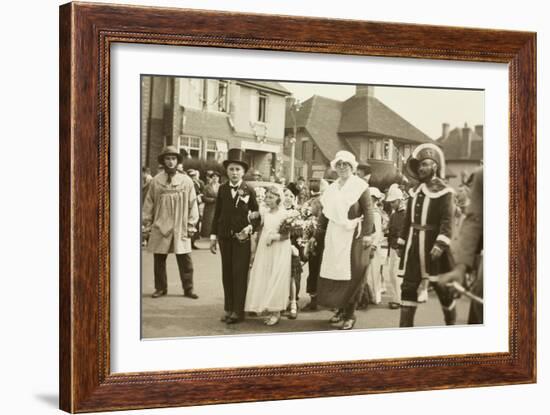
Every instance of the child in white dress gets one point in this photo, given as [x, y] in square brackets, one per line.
[269, 282]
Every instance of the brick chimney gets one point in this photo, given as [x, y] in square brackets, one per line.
[445, 130]
[466, 143]
[364, 90]
[479, 130]
[289, 102]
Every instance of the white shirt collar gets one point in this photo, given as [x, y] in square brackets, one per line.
[238, 184]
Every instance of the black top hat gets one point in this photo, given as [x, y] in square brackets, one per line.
[173, 151]
[236, 155]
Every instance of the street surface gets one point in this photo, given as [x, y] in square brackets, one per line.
[176, 316]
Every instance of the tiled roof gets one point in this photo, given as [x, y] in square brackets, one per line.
[453, 149]
[272, 86]
[320, 117]
[366, 114]
[205, 122]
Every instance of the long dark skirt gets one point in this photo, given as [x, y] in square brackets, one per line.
[339, 294]
[207, 218]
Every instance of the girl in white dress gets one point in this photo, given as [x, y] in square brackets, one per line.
[269, 282]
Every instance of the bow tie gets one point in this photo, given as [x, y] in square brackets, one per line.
[234, 187]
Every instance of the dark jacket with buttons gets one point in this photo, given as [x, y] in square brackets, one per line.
[428, 222]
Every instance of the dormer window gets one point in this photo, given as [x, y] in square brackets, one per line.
[380, 149]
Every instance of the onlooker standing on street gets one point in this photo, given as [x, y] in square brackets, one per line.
[199, 188]
[209, 199]
[146, 179]
[315, 246]
[170, 214]
[256, 176]
[364, 171]
[395, 227]
[373, 280]
[303, 192]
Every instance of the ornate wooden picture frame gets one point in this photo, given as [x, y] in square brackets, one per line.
[87, 32]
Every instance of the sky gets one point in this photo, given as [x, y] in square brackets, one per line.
[425, 108]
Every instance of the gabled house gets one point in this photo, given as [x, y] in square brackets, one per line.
[463, 149]
[362, 124]
[206, 117]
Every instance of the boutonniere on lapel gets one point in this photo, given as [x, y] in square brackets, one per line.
[243, 195]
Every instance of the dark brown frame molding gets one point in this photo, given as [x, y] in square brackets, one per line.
[86, 34]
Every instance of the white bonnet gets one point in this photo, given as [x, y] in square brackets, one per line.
[394, 193]
[346, 157]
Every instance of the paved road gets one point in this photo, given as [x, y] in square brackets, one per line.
[177, 316]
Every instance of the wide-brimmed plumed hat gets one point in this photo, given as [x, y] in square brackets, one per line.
[170, 151]
[236, 155]
[424, 152]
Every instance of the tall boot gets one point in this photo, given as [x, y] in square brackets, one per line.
[407, 316]
[450, 315]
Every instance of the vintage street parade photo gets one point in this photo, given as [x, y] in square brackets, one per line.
[285, 206]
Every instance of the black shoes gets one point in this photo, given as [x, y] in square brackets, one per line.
[158, 293]
[190, 294]
[348, 324]
[311, 306]
[162, 293]
[233, 318]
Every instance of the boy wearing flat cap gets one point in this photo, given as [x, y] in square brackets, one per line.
[170, 215]
[426, 235]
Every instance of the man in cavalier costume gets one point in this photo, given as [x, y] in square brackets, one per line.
[426, 235]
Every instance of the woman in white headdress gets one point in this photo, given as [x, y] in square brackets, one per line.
[347, 224]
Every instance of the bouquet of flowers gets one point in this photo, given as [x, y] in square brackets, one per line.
[292, 225]
[301, 226]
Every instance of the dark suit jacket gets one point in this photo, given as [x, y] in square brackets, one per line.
[231, 217]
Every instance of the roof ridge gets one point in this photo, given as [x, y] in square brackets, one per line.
[327, 98]
[398, 115]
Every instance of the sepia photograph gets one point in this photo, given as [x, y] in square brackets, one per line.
[285, 206]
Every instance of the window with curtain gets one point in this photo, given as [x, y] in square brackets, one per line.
[216, 150]
[387, 145]
[191, 144]
[223, 92]
[262, 107]
[304, 150]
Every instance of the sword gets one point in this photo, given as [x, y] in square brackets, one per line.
[465, 292]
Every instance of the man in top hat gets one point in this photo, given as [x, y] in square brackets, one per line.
[170, 214]
[426, 235]
[231, 228]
